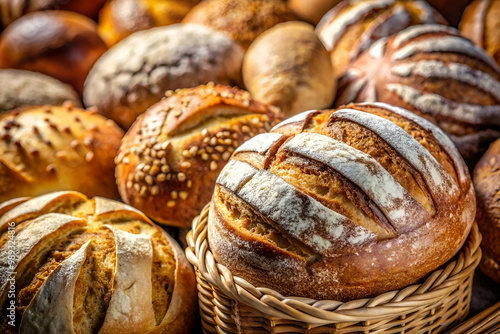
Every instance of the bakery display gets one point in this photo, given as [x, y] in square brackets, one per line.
[171, 156]
[49, 148]
[311, 10]
[91, 265]
[487, 184]
[342, 204]
[135, 73]
[481, 24]
[120, 18]
[243, 20]
[352, 26]
[66, 50]
[435, 72]
[24, 88]
[288, 66]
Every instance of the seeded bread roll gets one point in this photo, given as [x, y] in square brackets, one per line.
[438, 74]
[487, 185]
[49, 148]
[24, 88]
[481, 24]
[170, 157]
[243, 20]
[91, 265]
[311, 10]
[342, 204]
[288, 66]
[352, 26]
[136, 72]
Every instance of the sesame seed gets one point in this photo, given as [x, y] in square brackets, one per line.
[235, 136]
[129, 184]
[183, 194]
[156, 162]
[155, 190]
[220, 134]
[146, 168]
[161, 177]
[163, 161]
[177, 113]
[169, 176]
[148, 159]
[165, 145]
[209, 149]
[153, 153]
[246, 103]
[213, 141]
[154, 170]
[204, 156]
[181, 177]
[206, 140]
[245, 128]
[189, 183]
[205, 132]
[227, 141]
[215, 157]
[213, 165]
[161, 154]
[157, 147]
[226, 155]
[169, 93]
[165, 169]
[89, 156]
[186, 154]
[227, 133]
[149, 180]
[143, 191]
[185, 164]
[137, 187]
[140, 166]
[147, 152]
[126, 160]
[219, 148]
[88, 141]
[193, 150]
[173, 194]
[171, 203]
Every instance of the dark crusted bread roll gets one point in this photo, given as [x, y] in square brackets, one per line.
[342, 204]
[487, 185]
[438, 74]
[90, 265]
[171, 156]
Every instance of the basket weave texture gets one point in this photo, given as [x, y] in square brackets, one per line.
[229, 304]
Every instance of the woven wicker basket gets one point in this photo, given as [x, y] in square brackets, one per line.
[229, 304]
[486, 322]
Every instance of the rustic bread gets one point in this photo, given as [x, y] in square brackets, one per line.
[243, 20]
[438, 74]
[49, 148]
[120, 18]
[311, 10]
[352, 26]
[171, 156]
[487, 185]
[481, 24]
[91, 265]
[288, 66]
[135, 73]
[342, 204]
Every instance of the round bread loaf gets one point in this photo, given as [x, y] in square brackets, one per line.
[487, 185]
[352, 26]
[90, 265]
[451, 9]
[171, 156]
[288, 66]
[66, 50]
[438, 74]
[136, 72]
[342, 204]
[24, 88]
[120, 18]
[311, 10]
[481, 24]
[49, 148]
[243, 20]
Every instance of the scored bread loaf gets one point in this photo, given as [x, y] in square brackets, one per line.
[436, 73]
[91, 265]
[342, 204]
[171, 156]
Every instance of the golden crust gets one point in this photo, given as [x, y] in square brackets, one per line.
[311, 10]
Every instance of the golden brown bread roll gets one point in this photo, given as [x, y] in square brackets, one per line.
[135, 73]
[66, 50]
[487, 185]
[481, 24]
[342, 204]
[288, 66]
[49, 148]
[24, 88]
[438, 74]
[352, 26]
[311, 10]
[91, 265]
[120, 18]
[243, 20]
[171, 156]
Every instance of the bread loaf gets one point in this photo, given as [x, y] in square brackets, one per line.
[311, 10]
[91, 265]
[342, 204]
[136, 72]
[438, 74]
[352, 26]
[171, 156]
[49, 148]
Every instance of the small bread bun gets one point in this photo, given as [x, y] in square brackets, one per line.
[49, 148]
[288, 66]
[24, 88]
[342, 204]
[135, 73]
[481, 24]
[66, 50]
[92, 266]
[486, 182]
[171, 156]
[120, 18]
[311, 10]
[353, 25]
[243, 20]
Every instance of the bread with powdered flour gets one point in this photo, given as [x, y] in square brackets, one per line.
[91, 266]
[342, 204]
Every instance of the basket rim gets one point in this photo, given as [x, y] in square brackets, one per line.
[437, 285]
